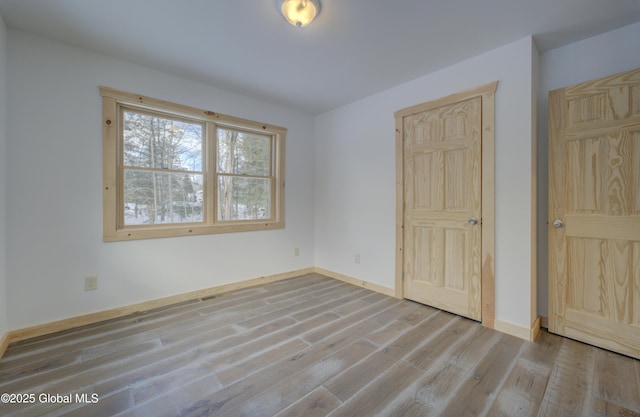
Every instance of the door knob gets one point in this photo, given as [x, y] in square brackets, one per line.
[557, 224]
[472, 221]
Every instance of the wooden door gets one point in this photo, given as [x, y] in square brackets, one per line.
[442, 195]
[594, 212]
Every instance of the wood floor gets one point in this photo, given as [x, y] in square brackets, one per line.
[313, 346]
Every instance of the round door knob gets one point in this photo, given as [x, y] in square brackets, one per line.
[472, 221]
[557, 223]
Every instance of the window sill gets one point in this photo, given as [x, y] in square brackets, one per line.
[159, 231]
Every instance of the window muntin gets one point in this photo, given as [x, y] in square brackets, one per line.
[173, 170]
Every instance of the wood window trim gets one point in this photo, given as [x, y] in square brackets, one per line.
[113, 183]
[487, 93]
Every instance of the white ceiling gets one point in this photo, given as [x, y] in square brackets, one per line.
[355, 47]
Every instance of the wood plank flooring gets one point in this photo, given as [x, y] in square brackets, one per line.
[312, 346]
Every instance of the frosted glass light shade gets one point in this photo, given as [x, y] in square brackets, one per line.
[300, 12]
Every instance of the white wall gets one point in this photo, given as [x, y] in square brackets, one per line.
[355, 175]
[3, 178]
[55, 199]
[596, 57]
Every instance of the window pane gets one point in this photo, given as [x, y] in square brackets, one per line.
[161, 198]
[243, 153]
[241, 198]
[157, 142]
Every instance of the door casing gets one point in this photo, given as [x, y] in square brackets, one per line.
[487, 93]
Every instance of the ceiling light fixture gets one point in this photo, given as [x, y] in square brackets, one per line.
[300, 12]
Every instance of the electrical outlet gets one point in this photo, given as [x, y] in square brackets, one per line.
[356, 258]
[91, 283]
[296, 251]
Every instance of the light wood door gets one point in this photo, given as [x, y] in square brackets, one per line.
[442, 190]
[594, 212]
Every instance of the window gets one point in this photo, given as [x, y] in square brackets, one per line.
[173, 170]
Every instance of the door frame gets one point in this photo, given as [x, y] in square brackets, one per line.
[487, 277]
